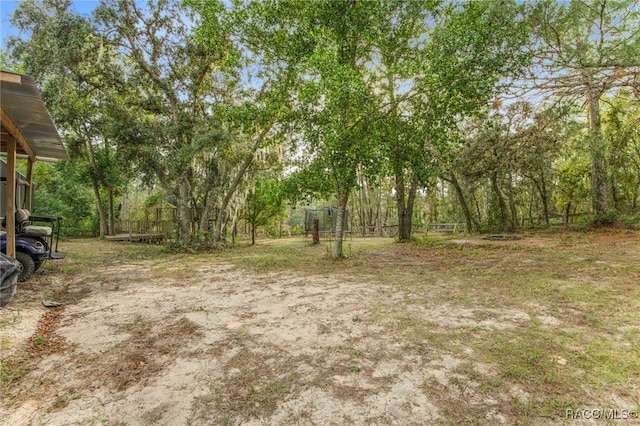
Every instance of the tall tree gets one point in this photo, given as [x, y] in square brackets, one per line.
[439, 64]
[400, 128]
[79, 73]
[588, 49]
[322, 50]
[182, 81]
[621, 128]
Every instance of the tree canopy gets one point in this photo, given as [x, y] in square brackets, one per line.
[492, 113]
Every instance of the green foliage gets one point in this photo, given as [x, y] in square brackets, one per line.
[607, 218]
[152, 201]
[61, 191]
[264, 204]
[373, 100]
[79, 72]
[585, 51]
[199, 242]
[620, 127]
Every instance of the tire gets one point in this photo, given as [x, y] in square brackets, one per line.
[39, 264]
[28, 266]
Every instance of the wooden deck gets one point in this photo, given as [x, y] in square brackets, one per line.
[138, 237]
[144, 231]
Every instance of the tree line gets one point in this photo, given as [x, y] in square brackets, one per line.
[495, 113]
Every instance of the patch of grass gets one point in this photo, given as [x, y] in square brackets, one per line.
[607, 362]
[253, 385]
[467, 369]
[11, 370]
[72, 268]
[264, 258]
[525, 355]
[353, 368]
[296, 254]
[16, 317]
[39, 340]
[562, 370]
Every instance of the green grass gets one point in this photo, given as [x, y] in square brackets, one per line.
[12, 369]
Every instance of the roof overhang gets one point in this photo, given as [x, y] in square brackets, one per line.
[26, 130]
[25, 117]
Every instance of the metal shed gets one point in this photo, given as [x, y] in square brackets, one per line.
[26, 131]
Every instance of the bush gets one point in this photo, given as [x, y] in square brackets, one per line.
[607, 218]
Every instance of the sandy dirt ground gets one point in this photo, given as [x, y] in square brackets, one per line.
[142, 344]
[171, 352]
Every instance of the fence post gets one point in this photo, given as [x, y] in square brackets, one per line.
[316, 231]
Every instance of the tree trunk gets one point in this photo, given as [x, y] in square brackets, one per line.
[634, 204]
[545, 200]
[400, 205]
[599, 186]
[101, 214]
[502, 206]
[205, 218]
[360, 206]
[343, 198]
[378, 221]
[404, 205]
[463, 202]
[359, 212]
[512, 205]
[413, 189]
[184, 217]
[384, 222]
[533, 194]
[477, 205]
[567, 212]
[234, 232]
[253, 234]
[369, 221]
[111, 225]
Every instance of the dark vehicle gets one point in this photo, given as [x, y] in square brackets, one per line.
[31, 254]
[9, 271]
[47, 235]
[35, 244]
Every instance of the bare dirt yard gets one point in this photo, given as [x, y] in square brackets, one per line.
[541, 330]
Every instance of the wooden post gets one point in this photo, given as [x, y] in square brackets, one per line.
[316, 231]
[11, 197]
[28, 204]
